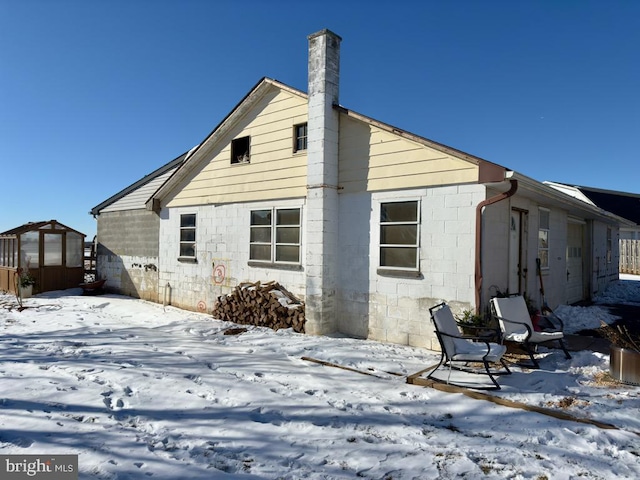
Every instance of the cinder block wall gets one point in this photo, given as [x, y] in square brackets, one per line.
[222, 250]
[396, 309]
[127, 253]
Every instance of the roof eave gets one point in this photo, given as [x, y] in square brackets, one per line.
[563, 198]
[237, 112]
[491, 177]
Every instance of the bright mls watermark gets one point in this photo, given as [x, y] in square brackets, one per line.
[52, 467]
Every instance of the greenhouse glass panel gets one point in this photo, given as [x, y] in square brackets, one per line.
[30, 249]
[75, 250]
[52, 249]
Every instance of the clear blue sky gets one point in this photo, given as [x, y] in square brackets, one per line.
[96, 94]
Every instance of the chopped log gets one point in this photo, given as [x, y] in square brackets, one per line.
[266, 304]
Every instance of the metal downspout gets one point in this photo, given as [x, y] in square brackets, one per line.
[479, 208]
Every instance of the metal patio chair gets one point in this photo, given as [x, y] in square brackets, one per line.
[516, 326]
[458, 351]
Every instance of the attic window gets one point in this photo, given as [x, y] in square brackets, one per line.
[300, 137]
[240, 150]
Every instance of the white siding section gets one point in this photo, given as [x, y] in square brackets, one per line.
[137, 198]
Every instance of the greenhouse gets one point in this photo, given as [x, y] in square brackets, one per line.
[46, 255]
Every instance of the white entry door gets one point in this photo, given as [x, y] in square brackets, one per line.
[575, 273]
[518, 251]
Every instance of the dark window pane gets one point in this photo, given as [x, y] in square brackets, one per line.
[399, 234]
[187, 250]
[260, 235]
[188, 220]
[261, 217]
[301, 137]
[287, 253]
[188, 235]
[288, 235]
[399, 212]
[240, 150]
[544, 219]
[398, 257]
[288, 216]
[260, 252]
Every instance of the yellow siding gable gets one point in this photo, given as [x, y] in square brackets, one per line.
[373, 159]
[274, 170]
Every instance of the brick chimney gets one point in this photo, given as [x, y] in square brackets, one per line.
[321, 222]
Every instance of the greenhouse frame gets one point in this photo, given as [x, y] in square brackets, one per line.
[48, 253]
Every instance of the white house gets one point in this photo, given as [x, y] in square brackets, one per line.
[368, 223]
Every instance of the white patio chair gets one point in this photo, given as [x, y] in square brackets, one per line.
[516, 326]
[464, 349]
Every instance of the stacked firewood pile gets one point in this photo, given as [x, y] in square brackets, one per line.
[263, 304]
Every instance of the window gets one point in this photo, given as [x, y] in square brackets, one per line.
[275, 235]
[399, 234]
[609, 245]
[300, 137]
[188, 235]
[5, 252]
[8, 253]
[543, 237]
[240, 150]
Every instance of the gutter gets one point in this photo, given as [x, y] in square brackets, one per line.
[479, 208]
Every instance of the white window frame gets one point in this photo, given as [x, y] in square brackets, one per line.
[416, 246]
[193, 242]
[273, 243]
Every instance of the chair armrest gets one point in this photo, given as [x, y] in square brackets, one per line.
[462, 337]
[470, 338]
[529, 329]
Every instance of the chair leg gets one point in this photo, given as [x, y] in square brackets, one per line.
[530, 351]
[449, 376]
[437, 366]
[564, 349]
[506, 367]
[486, 366]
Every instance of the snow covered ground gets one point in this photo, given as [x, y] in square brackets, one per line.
[140, 391]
